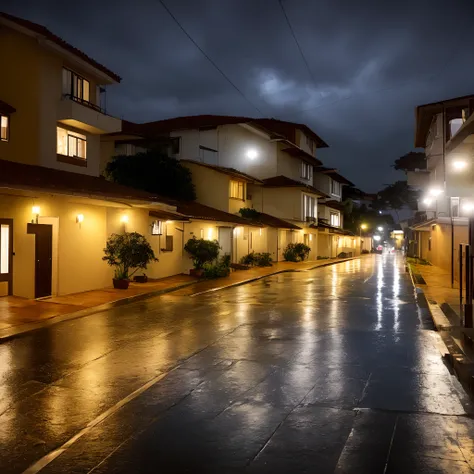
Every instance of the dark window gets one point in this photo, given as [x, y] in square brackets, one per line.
[168, 244]
[75, 86]
[429, 243]
[176, 146]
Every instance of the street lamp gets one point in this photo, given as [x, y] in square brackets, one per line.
[377, 238]
[362, 227]
[380, 228]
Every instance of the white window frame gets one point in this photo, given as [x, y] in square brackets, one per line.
[4, 128]
[335, 218]
[75, 86]
[335, 188]
[306, 170]
[75, 138]
[239, 186]
[309, 207]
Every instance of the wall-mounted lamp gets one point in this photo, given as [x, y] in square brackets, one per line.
[427, 201]
[260, 231]
[252, 153]
[468, 207]
[209, 234]
[459, 165]
[310, 237]
[36, 212]
[435, 192]
[80, 218]
[124, 219]
[377, 238]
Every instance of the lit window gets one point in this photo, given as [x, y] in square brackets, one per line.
[237, 189]
[334, 219]
[4, 248]
[335, 188]
[306, 170]
[71, 143]
[4, 128]
[309, 207]
[75, 86]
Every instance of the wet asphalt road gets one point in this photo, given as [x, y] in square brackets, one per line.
[334, 370]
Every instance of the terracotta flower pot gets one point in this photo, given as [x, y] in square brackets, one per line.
[121, 284]
[196, 272]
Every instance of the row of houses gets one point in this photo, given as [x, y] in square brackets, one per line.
[445, 179]
[57, 210]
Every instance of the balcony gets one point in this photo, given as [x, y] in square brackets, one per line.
[86, 116]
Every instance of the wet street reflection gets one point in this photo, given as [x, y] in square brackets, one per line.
[334, 370]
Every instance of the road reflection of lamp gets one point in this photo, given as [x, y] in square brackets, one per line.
[36, 212]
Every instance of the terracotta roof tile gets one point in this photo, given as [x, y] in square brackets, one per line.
[229, 171]
[276, 222]
[21, 176]
[332, 172]
[285, 182]
[43, 31]
[6, 108]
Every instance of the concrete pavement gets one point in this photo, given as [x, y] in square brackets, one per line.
[331, 371]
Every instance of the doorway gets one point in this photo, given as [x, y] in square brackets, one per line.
[43, 258]
[225, 240]
[6, 257]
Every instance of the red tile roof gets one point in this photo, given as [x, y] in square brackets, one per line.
[333, 204]
[276, 222]
[168, 215]
[229, 171]
[194, 210]
[332, 172]
[277, 128]
[6, 108]
[43, 31]
[285, 182]
[31, 177]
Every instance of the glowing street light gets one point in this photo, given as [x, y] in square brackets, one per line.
[362, 227]
[377, 238]
[435, 192]
[380, 228]
[252, 153]
[459, 165]
[427, 201]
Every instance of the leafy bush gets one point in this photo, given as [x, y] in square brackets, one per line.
[264, 259]
[249, 259]
[296, 252]
[365, 251]
[257, 259]
[126, 251]
[202, 251]
[218, 269]
[321, 258]
[343, 255]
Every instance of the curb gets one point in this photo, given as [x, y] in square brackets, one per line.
[250, 280]
[12, 333]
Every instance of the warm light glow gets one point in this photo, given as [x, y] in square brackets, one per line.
[459, 165]
[260, 231]
[468, 206]
[236, 231]
[363, 226]
[252, 154]
[436, 192]
[35, 210]
[310, 237]
[380, 228]
[377, 238]
[80, 218]
[4, 248]
[209, 234]
[427, 201]
[124, 219]
[169, 222]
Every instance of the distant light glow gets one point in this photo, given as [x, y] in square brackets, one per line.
[363, 226]
[436, 192]
[124, 219]
[210, 233]
[427, 201]
[380, 212]
[80, 218]
[468, 206]
[35, 210]
[459, 165]
[377, 238]
[380, 228]
[252, 153]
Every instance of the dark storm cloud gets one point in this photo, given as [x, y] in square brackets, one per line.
[372, 62]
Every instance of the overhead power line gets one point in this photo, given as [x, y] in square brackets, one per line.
[221, 72]
[303, 57]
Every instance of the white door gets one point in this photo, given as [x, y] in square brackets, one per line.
[225, 240]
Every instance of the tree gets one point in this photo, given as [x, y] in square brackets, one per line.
[397, 196]
[411, 161]
[153, 172]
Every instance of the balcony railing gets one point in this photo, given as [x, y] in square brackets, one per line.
[86, 103]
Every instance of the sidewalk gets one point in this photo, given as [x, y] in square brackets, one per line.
[19, 315]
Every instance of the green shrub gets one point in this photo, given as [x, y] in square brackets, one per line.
[248, 259]
[220, 268]
[249, 213]
[202, 251]
[126, 251]
[296, 252]
[343, 255]
[257, 259]
[364, 252]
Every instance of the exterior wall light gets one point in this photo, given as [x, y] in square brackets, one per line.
[210, 233]
[124, 220]
[436, 192]
[468, 206]
[36, 212]
[252, 154]
[459, 165]
[380, 228]
[427, 201]
[80, 219]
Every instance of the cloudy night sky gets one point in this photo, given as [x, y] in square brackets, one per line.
[370, 63]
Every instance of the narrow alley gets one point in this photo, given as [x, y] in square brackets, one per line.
[334, 370]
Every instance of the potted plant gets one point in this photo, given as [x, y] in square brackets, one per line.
[125, 252]
[201, 251]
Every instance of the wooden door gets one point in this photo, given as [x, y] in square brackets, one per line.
[43, 258]
[6, 253]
